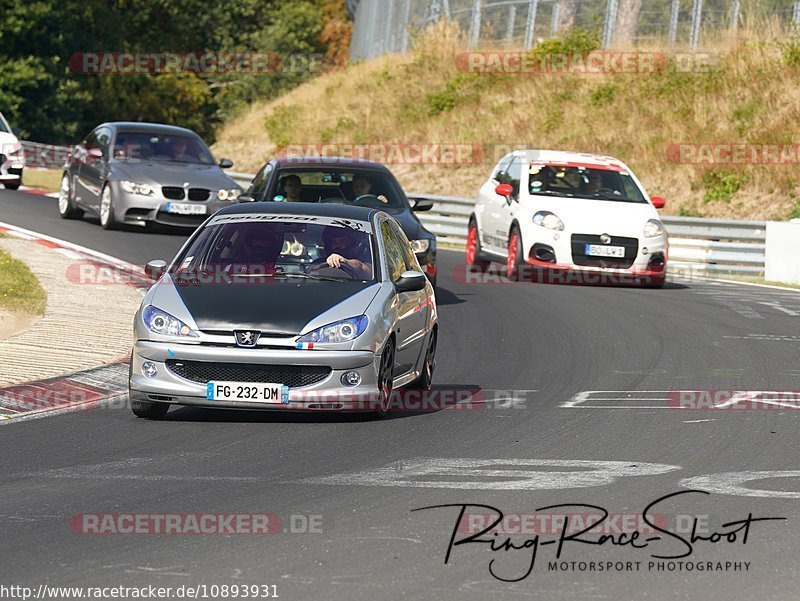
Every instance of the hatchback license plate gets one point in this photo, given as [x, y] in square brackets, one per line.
[256, 392]
[595, 250]
[183, 208]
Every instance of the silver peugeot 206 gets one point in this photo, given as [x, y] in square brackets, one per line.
[285, 306]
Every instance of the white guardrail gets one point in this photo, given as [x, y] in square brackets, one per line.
[697, 246]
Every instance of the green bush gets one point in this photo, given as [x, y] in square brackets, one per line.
[602, 95]
[721, 185]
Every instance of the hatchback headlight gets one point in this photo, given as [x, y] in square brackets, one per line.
[163, 323]
[653, 228]
[232, 194]
[548, 220]
[134, 188]
[339, 331]
[420, 246]
[16, 152]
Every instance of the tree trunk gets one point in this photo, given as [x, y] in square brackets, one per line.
[567, 11]
[627, 21]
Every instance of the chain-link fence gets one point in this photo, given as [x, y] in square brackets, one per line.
[386, 26]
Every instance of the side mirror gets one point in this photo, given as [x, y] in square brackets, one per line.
[225, 163]
[94, 154]
[658, 202]
[422, 204]
[245, 198]
[155, 269]
[410, 281]
[504, 190]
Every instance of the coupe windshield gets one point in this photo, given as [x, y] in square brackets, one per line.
[149, 146]
[372, 189]
[277, 250]
[583, 182]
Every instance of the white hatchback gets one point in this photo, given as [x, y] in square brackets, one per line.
[12, 157]
[565, 217]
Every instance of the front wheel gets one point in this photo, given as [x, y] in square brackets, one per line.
[66, 205]
[514, 260]
[386, 380]
[474, 248]
[107, 219]
[149, 410]
[12, 186]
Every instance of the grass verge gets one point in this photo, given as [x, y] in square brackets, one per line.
[42, 179]
[19, 288]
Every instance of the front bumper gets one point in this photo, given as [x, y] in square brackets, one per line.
[135, 209]
[328, 394]
[11, 169]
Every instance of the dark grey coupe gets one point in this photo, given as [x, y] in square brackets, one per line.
[137, 173]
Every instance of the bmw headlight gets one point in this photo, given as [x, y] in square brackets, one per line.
[653, 228]
[134, 188]
[420, 246]
[339, 331]
[548, 220]
[163, 323]
[232, 194]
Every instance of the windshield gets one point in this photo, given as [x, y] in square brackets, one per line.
[364, 188]
[243, 250]
[149, 146]
[3, 125]
[583, 182]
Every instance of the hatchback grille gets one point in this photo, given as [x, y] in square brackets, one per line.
[579, 256]
[293, 376]
[199, 194]
[172, 192]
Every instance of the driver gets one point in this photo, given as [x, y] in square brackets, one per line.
[594, 183]
[362, 186]
[350, 248]
[292, 187]
[178, 146]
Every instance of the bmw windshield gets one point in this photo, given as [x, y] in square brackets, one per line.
[169, 147]
[241, 250]
[583, 182]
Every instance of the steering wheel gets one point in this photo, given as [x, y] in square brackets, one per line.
[606, 191]
[318, 264]
[365, 197]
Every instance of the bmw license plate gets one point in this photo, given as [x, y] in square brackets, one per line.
[256, 392]
[596, 250]
[184, 208]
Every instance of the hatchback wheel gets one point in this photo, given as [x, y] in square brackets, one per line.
[425, 380]
[514, 260]
[474, 248]
[149, 410]
[386, 380]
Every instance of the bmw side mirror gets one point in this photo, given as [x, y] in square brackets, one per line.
[225, 163]
[155, 269]
[410, 281]
[658, 202]
[422, 204]
[95, 154]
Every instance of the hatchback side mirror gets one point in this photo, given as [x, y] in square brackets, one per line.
[225, 163]
[155, 269]
[410, 281]
[504, 190]
[658, 202]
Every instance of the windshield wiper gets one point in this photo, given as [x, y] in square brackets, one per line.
[319, 278]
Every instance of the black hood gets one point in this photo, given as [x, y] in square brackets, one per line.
[278, 307]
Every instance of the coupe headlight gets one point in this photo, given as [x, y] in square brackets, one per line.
[653, 228]
[134, 188]
[232, 194]
[548, 220]
[420, 246]
[340, 331]
[163, 323]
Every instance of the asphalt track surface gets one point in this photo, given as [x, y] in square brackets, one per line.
[543, 345]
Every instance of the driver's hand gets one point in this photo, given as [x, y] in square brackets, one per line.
[336, 260]
[383, 199]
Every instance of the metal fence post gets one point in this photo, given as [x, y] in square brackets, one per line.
[406, 24]
[697, 16]
[530, 26]
[609, 23]
[512, 18]
[446, 8]
[388, 37]
[673, 21]
[796, 16]
[735, 15]
[475, 24]
[554, 19]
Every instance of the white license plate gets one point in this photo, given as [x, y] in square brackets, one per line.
[596, 250]
[256, 392]
[184, 208]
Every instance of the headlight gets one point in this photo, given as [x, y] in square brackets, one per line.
[17, 151]
[340, 331]
[548, 220]
[653, 228]
[228, 194]
[163, 323]
[134, 188]
[420, 246]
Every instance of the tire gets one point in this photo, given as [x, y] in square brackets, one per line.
[14, 186]
[514, 260]
[474, 248]
[385, 380]
[425, 380]
[149, 410]
[107, 219]
[66, 206]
